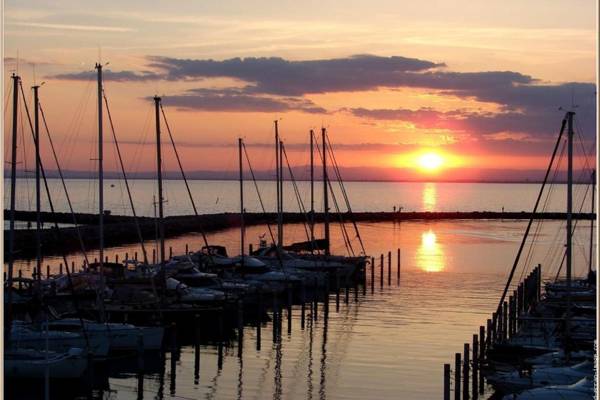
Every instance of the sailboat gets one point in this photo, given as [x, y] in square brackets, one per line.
[24, 355]
[558, 334]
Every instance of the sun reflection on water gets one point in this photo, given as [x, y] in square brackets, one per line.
[430, 255]
[429, 197]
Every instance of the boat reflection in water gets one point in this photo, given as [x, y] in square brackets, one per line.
[430, 254]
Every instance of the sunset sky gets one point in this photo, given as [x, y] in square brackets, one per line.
[407, 90]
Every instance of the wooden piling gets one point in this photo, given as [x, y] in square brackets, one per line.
[170, 251]
[326, 297]
[337, 291]
[72, 266]
[474, 375]
[126, 256]
[187, 251]
[135, 257]
[372, 275]
[258, 324]
[60, 269]
[381, 271]
[303, 306]
[47, 271]
[289, 310]
[446, 381]
[389, 268]
[539, 283]
[457, 380]
[347, 291]
[116, 258]
[20, 280]
[250, 248]
[316, 298]
[465, 374]
[505, 321]
[153, 256]
[481, 354]
[196, 348]
[398, 258]
[140, 350]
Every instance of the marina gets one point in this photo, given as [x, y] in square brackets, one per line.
[246, 201]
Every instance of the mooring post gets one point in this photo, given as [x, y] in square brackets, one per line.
[347, 291]
[337, 291]
[250, 248]
[274, 322]
[196, 348]
[539, 282]
[457, 369]
[106, 259]
[364, 292]
[289, 309]
[494, 328]
[398, 264]
[446, 381]
[474, 375]
[258, 323]
[47, 271]
[381, 271]
[135, 256]
[505, 322]
[187, 249]
[372, 275]
[126, 256]
[303, 306]
[153, 256]
[389, 268]
[481, 356]
[240, 326]
[466, 367]
[73, 266]
[20, 280]
[326, 297]
[116, 258]
[140, 350]
[220, 345]
[316, 299]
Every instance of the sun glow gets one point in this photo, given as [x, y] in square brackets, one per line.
[430, 255]
[430, 162]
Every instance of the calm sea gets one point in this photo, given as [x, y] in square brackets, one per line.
[392, 342]
[223, 196]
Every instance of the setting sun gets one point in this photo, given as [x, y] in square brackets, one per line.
[430, 162]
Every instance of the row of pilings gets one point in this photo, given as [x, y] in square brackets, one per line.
[465, 377]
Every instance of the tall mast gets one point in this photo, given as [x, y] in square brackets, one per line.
[242, 227]
[161, 226]
[13, 187]
[100, 170]
[592, 223]
[277, 178]
[570, 115]
[325, 191]
[280, 193]
[36, 137]
[312, 190]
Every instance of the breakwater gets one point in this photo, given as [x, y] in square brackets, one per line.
[121, 230]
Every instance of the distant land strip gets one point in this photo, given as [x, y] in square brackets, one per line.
[120, 229]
